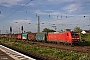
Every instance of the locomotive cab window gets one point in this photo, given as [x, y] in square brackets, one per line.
[73, 34]
[76, 34]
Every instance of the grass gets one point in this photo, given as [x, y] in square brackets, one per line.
[46, 51]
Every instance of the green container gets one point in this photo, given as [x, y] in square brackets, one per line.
[41, 36]
[24, 36]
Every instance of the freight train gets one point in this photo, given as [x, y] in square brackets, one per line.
[69, 37]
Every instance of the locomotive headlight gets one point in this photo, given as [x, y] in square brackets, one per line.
[78, 38]
[73, 38]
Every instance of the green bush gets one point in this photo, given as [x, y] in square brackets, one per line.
[85, 57]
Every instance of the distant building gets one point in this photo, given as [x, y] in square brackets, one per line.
[85, 31]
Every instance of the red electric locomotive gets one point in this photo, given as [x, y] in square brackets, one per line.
[66, 37]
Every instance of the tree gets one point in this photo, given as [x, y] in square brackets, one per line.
[28, 32]
[61, 30]
[48, 30]
[77, 29]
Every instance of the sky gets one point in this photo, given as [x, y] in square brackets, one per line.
[54, 14]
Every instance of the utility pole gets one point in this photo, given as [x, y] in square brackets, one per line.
[10, 36]
[22, 28]
[10, 30]
[38, 23]
[0, 31]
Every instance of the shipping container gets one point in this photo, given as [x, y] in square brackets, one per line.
[40, 36]
[31, 36]
[14, 36]
[5, 35]
[24, 36]
[19, 36]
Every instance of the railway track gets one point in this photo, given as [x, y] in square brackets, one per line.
[79, 49]
[14, 54]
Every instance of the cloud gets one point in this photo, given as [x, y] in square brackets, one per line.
[71, 7]
[30, 4]
[9, 3]
[47, 12]
[60, 0]
[25, 23]
[1, 15]
[38, 12]
[53, 14]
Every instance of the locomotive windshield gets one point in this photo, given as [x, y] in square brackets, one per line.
[75, 34]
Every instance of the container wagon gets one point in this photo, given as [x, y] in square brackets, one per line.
[40, 36]
[19, 36]
[31, 36]
[24, 36]
[14, 36]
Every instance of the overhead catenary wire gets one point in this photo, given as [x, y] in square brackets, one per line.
[8, 7]
[70, 22]
[17, 10]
